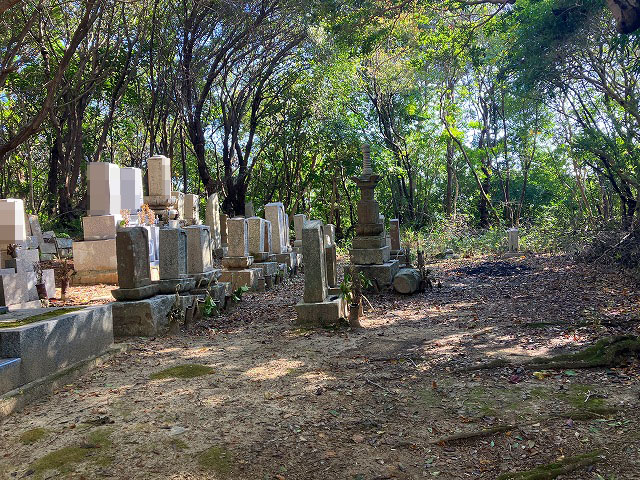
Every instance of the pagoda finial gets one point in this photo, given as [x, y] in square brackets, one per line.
[366, 160]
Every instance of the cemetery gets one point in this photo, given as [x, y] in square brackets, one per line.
[319, 240]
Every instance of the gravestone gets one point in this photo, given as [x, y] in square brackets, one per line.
[275, 213]
[332, 265]
[131, 195]
[512, 235]
[199, 260]
[212, 220]
[317, 307]
[370, 253]
[249, 210]
[224, 231]
[329, 232]
[256, 236]
[12, 222]
[100, 227]
[192, 208]
[179, 204]
[238, 263]
[36, 230]
[160, 199]
[394, 233]
[298, 221]
[173, 261]
[134, 273]
[103, 184]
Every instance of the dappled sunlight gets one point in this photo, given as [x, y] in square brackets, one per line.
[273, 369]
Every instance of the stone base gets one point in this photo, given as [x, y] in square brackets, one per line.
[140, 293]
[95, 255]
[30, 305]
[180, 285]
[290, 259]
[324, 313]
[260, 257]
[147, 317]
[380, 275]
[370, 256]
[237, 262]
[41, 348]
[366, 243]
[95, 277]
[206, 278]
[240, 278]
[268, 268]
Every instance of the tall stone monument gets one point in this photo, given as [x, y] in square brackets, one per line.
[173, 261]
[212, 220]
[238, 264]
[317, 307]
[280, 247]
[131, 195]
[192, 209]
[134, 273]
[160, 198]
[259, 231]
[298, 222]
[370, 253]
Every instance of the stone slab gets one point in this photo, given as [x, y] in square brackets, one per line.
[147, 317]
[100, 227]
[52, 345]
[324, 313]
[377, 241]
[212, 220]
[199, 258]
[240, 278]
[13, 227]
[237, 262]
[132, 246]
[268, 268]
[167, 286]
[315, 278]
[370, 256]
[49, 280]
[95, 255]
[95, 277]
[172, 253]
[136, 293]
[238, 237]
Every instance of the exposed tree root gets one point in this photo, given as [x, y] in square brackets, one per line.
[553, 470]
[473, 434]
[606, 352]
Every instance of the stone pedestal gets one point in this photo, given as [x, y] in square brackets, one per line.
[95, 262]
[237, 264]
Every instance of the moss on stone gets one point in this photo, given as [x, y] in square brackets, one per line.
[606, 352]
[183, 371]
[216, 459]
[555, 469]
[32, 436]
[61, 460]
[40, 317]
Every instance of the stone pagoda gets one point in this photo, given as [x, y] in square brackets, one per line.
[370, 253]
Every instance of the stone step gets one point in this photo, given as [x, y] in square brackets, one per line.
[9, 374]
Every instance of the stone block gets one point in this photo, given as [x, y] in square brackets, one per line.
[132, 246]
[315, 278]
[212, 220]
[95, 277]
[249, 210]
[49, 279]
[7, 271]
[256, 236]
[158, 202]
[268, 268]
[380, 275]
[370, 256]
[173, 253]
[298, 222]
[49, 346]
[18, 265]
[375, 241]
[238, 240]
[179, 203]
[103, 184]
[147, 317]
[327, 312]
[36, 230]
[131, 195]
[48, 246]
[237, 262]
[199, 259]
[407, 280]
[136, 293]
[101, 227]
[17, 289]
[173, 285]
[240, 278]
[159, 176]
[192, 208]
[96, 255]
[289, 259]
[512, 237]
[12, 221]
[267, 236]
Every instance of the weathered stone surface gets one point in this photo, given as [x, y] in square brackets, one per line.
[329, 232]
[323, 313]
[255, 232]
[289, 259]
[512, 236]
[137, 293]
[239, 278]
[49, 280]
[199, 257]
[212, 219]
[49, 346]
[274, 212]
[364, 242]
[12, 221]
[192, 208]
[100, 227]
[298, 222]
[130, 189]
[36, 230]
[132, 246]
[18, 289]
[238, 237]
[147, 317]
[237, 262]
[49, 243]
[173, 253]
[315, 286]
[180, 285]
[332, 265]
[380, 275]
[95, 277]
[394, 232]
[268, 268]
[407, 280]
[103, 184]
[249, 210]
[160, 201]
[97, 255]
[370, 256]
[267, 236]
[224, 231]
[159, 176]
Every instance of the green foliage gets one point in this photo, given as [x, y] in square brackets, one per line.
[239, 292]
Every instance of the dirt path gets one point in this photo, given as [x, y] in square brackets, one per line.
[286, 403]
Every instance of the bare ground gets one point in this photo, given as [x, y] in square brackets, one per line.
[288, 403]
